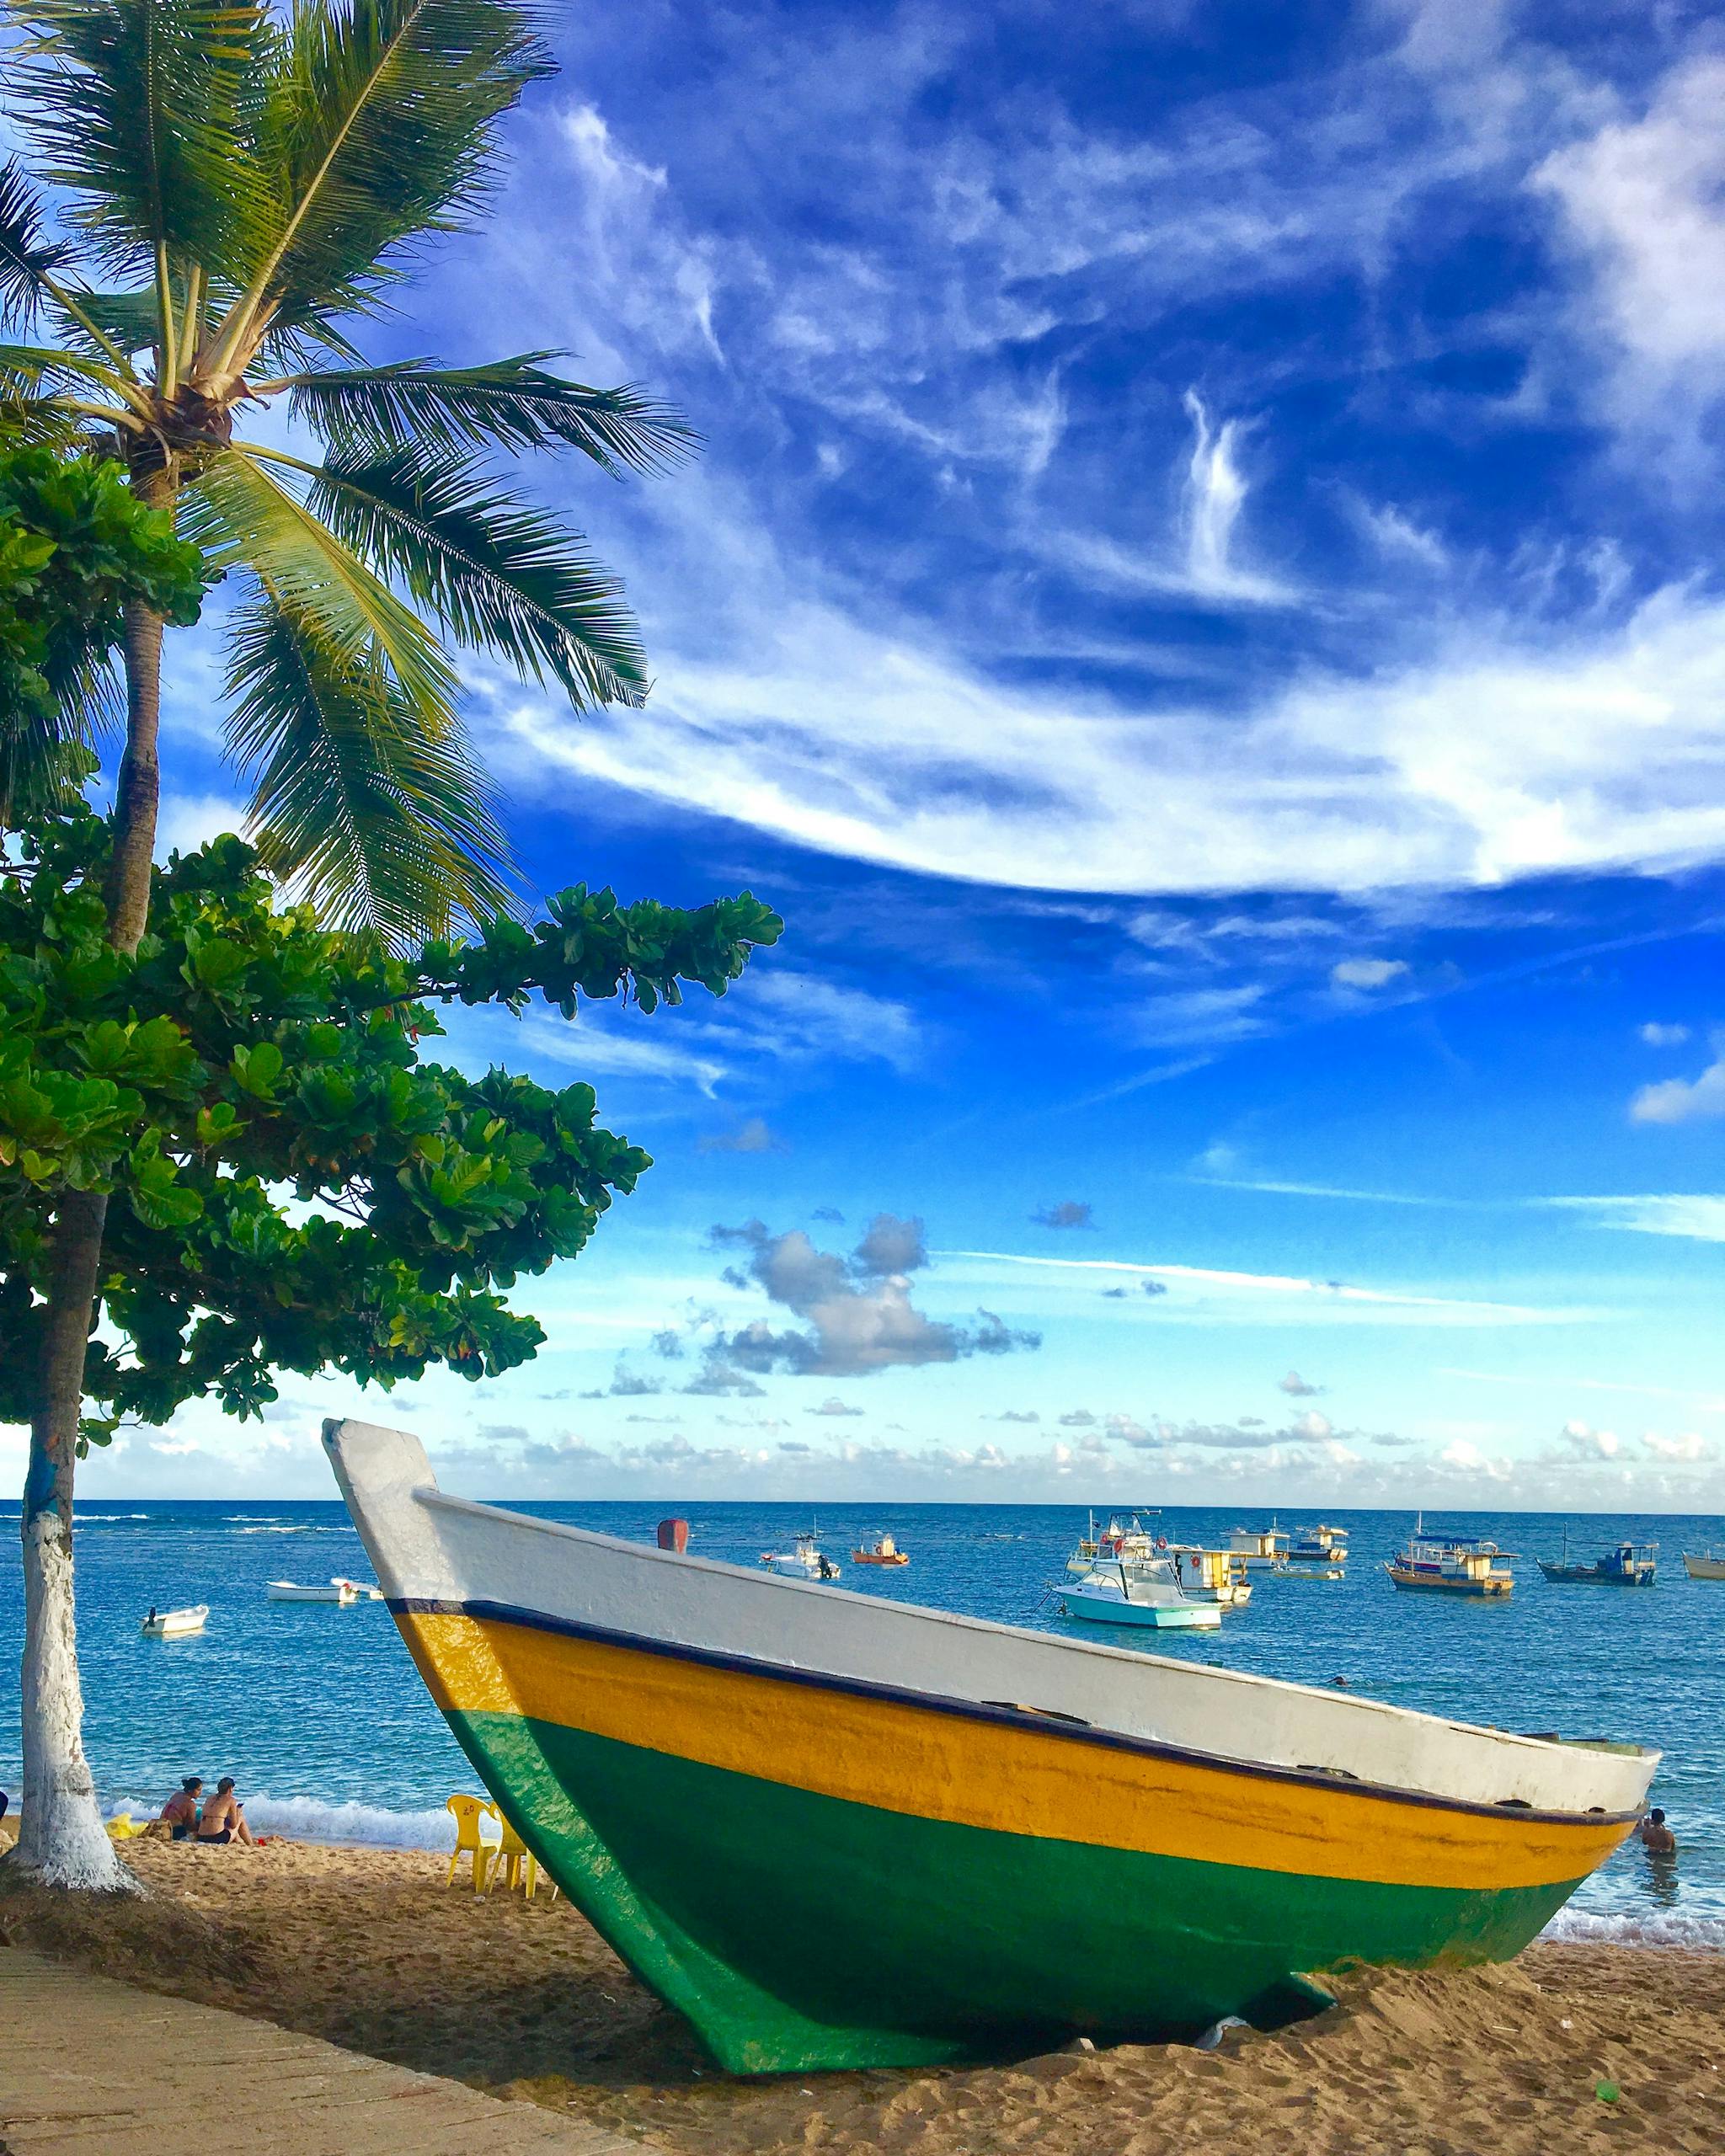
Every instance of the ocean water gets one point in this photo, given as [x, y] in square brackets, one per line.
[320, 1715]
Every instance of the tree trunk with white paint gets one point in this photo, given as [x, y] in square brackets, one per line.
[62, 1840]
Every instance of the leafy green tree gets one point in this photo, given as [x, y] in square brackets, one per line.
[289, 1184]
[76, 547]
[244, 186]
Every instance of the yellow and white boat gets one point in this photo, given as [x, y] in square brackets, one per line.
[836, 1830]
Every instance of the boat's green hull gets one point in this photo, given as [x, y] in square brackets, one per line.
[798, 1931]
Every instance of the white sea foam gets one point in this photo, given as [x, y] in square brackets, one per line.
[312, 1819]
[1627, 1927]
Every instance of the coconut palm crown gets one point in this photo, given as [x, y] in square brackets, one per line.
[228, 193]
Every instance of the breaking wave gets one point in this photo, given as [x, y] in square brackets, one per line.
[1656, 1928]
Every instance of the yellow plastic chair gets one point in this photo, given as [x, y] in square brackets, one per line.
[516, 1865]
[469, 1812]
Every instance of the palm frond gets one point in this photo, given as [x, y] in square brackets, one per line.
[501, 574]
[239, 512]
[379, 127]
[46, 370]
[510, 403]
[383, 827]
[28, 257]
[27, 421]
[140, 107]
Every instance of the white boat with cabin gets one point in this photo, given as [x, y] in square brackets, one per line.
[805, 1559]
[1705, 1564]
[1148, 1594]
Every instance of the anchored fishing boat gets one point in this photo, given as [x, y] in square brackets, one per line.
[1142, 1593]
[175, 1624]
[880, 1550]
[1631, 1564]
[1211, 1575]
[836, 1831]
[1705, 1564]
[1317, 1553]
[1261, 1546]
[1441, 1565]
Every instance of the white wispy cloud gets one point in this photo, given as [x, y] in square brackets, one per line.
[1326, 1296]
[1698, 1215]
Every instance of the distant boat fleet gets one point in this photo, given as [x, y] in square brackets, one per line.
[1124, 1574]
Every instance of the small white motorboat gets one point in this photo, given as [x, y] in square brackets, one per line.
[1705, 1564]
[175, 1624]
[804, 1559]
[342, 1591]
[1145, 1594]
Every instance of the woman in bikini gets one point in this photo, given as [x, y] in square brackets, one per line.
[222, 1819]
[181, 1810]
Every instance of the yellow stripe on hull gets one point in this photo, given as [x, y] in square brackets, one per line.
[899, 1757]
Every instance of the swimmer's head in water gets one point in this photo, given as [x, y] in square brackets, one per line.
[1657, 1817]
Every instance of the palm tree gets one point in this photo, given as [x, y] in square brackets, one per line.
[239, 187]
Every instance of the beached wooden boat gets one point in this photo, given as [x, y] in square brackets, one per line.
[175, 1624]
[837, 1831]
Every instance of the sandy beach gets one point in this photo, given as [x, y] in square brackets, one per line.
[365, 1947]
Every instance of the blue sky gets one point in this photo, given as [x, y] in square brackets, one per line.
[1201, 607]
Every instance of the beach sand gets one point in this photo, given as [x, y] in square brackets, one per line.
[366, 1947]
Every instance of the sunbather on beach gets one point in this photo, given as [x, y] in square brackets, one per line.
[181, 1810]
[222, 1818]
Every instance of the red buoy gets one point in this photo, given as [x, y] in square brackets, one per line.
[673, 1534]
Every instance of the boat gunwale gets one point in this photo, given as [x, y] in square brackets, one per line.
[430, 1495]
[481, 1609]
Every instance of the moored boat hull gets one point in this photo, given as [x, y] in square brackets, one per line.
[823, 1869]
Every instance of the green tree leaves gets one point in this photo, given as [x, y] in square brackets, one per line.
[291, 1187]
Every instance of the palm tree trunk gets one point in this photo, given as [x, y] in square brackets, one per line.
[61, 1838]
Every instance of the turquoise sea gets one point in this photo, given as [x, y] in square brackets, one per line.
[319, 1714]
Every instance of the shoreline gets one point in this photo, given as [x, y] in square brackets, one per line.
[364, 1946]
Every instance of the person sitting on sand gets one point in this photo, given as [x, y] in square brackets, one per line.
[222, 1819]
[1653, 1834]
[181, 1810]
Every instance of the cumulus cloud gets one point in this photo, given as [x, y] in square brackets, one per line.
[1297, 1387]
[1581, 1442]
[1689, 1447]
[751, 1136]
[1077, 1418]
[1068, 1214]
[1018, 1415]
[857, 1312]
[1126, 1429]
[1679, 1100]
[1367, 973]
[832, 1406]
[1657, 1035]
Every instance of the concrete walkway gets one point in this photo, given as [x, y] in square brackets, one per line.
[93, 2068]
